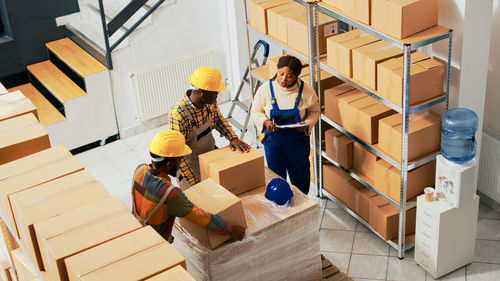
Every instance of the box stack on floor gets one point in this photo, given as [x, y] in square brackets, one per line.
[378, 67]
[281, 242]
[69, 227]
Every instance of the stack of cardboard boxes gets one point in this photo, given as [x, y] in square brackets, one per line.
[378, 66]
[69, 227]
[233, 186]
[286, 21]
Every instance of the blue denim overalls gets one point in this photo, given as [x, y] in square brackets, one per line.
[287, 149]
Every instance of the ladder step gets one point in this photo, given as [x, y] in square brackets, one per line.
[55, 81]
[241, 105]
[75, 57]
[47, 113]
[235, 123]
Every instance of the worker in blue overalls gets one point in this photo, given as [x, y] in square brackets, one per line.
[287, 100]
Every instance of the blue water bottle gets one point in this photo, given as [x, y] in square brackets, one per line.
[458, 142]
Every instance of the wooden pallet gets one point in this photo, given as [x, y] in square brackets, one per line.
[331, 273]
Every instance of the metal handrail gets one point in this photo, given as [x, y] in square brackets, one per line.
[119, 20]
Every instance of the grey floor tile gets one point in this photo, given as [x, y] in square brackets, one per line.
[369, 243]
[488, 229]
[367, 266]
[113, 148]
[404, 270]
[89, 157]
[340, 260]
[457, 275]
[361, 228]
[338, 219]
[483, 272]
[485, 212]
[336, 240]
[332, 205]
[100, 168]
[487, 251]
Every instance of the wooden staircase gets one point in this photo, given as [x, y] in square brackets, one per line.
[72, 94]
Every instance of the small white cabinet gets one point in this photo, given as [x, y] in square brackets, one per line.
[445, 236]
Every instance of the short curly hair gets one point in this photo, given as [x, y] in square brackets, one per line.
[292, 62]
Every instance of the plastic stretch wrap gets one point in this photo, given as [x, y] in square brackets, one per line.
[281, 242]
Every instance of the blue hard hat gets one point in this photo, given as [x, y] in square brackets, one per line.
[278, 191]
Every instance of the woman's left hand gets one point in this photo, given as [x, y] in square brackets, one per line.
[302, 129]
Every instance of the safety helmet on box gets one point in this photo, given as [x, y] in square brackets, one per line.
[208, 79]
[278, 191]
[169, 143]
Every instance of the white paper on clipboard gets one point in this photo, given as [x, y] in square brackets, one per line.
[296, 125]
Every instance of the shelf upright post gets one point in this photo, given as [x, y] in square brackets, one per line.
[404, 151]
[450, 33]
[311, 29]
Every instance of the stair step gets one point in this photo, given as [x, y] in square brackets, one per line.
[56, 82]
[75, 57]
[47, 113]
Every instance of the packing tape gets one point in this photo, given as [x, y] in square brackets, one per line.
[19, 128]
[10, 99]
[411, 64]
[132, 253]
[209, 198]
[43, 198]
[364, 34]
[380, 49]
[82, 226]
[59, 158]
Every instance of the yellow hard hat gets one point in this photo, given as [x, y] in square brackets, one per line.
[169, 143]
[208, 79]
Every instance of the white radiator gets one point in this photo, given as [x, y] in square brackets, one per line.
[157, 89]
[489, 167]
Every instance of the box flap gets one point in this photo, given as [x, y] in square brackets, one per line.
[22, 134]
[333, 132]
[430, 63]
[210, 196]
[177, 273]
[91, 234]
[339, 90]
[33, 161]
[26, 120]
[284, 8]
[338, 172]
[379, 50]
[224, 157]
[378, 201]
[418, 121]
[272, 3]
[352, 96]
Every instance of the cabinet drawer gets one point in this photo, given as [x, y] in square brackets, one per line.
[424, 260]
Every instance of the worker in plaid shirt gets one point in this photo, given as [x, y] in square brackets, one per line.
[195, 116]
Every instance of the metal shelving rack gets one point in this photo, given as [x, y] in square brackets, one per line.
[423, 38]
[408, 44]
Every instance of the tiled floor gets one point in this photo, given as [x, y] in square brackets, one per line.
[344, 241]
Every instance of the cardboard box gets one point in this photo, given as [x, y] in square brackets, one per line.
[360, 116]
[237, 172]
[276, 19]
[339, 147]
[358, 10]
[4, 272]
[266, 71]
[136, 255]
[402, 18]
[426, 79]
[384, 218]
[364, 161]
[298, 39]
[332, 110]
[366, 58]
[48, 200]
[33, 178]
[215, 199]
[339, 49]
[327, 81]
[388, 179]
[24, 269]
[362, 201]
[84, 215]
[176, 273]
[16, 104]
[338, 4]
[65, 244]
[33, 161]
[258, 12]
[424, 134]
[339, 184]
[21, 136]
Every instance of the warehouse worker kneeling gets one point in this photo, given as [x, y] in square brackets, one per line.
[156, 202]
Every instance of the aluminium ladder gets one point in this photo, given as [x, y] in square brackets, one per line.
[236, 101]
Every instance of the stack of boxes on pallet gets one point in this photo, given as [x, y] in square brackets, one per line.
[378, 66]
[69, 227]
[233, 186]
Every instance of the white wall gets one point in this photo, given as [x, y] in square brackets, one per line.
[492, 112]
[187, 27]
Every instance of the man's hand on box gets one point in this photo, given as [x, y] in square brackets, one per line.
[237, 144]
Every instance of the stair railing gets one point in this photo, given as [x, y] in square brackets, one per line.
[119, 20]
